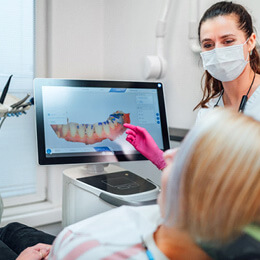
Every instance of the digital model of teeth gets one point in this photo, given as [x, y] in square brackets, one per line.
[93, 133]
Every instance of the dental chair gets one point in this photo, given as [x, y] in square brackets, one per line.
[245, 247]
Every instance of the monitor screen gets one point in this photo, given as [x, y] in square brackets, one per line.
[81, 121]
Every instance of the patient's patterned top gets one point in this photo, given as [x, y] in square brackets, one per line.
[115, 234]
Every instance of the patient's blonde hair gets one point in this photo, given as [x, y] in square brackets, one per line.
[219, 177]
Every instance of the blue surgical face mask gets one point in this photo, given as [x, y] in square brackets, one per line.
[225, 64]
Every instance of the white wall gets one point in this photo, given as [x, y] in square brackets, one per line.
[129, 34]
[100, 39]
[75, 38]
[133, 24]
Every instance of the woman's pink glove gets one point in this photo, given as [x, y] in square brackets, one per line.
[144, 143]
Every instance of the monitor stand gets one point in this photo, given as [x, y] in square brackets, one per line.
[96, 168]
[87, 170]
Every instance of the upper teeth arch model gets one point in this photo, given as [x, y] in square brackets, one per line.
[93, 133]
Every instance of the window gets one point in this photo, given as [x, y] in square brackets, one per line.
[21, 181]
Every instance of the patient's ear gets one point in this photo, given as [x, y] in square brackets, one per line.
[169, 155]
[252, 42]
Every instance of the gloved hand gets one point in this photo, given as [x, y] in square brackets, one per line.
[144, 143]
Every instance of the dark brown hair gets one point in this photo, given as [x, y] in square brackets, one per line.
[213, 87]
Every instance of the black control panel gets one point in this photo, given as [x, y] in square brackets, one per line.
[120, 183]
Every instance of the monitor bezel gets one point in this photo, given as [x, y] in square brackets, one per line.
[117, 157]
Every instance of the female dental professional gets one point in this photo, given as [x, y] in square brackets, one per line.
[230, 60]
[232, 66]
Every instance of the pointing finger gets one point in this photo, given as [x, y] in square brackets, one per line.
[133, 127]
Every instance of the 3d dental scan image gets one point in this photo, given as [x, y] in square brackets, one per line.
[93, 133]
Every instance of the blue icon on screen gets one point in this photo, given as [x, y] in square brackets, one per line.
[102, 149]
[48, 151]
[157, 114]
[158, 122]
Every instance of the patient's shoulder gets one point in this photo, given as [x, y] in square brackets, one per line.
[124, 215]
[120, 229]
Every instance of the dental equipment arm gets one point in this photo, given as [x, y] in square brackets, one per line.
[4, 93]
[144, 143]
[155, 65]
[11, 105]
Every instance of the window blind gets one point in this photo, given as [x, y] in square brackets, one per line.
[17, 135]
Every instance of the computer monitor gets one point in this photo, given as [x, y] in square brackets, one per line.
[81, 121]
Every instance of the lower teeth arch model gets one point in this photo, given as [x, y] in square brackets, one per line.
[93, 133]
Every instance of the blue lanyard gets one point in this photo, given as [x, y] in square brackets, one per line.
[147, 251]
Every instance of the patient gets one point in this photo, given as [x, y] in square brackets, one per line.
[208, 207]
[209, 199]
